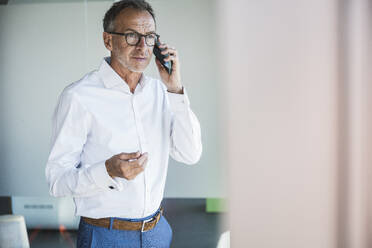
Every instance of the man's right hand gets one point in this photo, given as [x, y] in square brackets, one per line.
[126, 165]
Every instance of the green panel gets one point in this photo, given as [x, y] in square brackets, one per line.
[215, 205]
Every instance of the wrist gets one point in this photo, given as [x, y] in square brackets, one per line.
[177, 89]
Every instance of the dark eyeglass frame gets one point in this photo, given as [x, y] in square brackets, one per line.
[140, 37]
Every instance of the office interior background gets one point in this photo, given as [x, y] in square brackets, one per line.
[47, 45]
[282, 90]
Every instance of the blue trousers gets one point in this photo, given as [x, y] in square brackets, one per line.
[96, 237]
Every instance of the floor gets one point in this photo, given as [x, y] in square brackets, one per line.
[192, 227]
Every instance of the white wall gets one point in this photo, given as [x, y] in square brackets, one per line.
[46, 46]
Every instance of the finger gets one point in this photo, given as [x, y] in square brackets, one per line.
[169, 50]
[143, 158]
[126, 167]
[134, 172]
[162, 45]
[133, 164]
[138, 162]
[129, 163]
[160, 66]
[169, 58]
[127, 156]
[138, 170]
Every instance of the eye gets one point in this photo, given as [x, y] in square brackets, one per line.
[131, 35]
[151, 36]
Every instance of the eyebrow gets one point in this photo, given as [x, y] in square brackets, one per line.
[129, 29]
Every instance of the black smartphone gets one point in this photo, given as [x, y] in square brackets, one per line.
[157, 51]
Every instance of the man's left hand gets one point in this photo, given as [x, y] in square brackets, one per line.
[173, 80]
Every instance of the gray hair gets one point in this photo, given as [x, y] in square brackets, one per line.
[116, 8]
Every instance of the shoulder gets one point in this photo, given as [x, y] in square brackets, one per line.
[81, 87]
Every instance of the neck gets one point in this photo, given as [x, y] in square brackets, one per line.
[130, 77]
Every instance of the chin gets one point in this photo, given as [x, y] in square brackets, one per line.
[136, 69]
[133, 68]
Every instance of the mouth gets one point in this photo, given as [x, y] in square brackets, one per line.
[140, 58]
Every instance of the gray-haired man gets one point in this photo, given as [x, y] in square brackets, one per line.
[113, 132]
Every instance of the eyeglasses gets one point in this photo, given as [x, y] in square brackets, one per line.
[133, 38]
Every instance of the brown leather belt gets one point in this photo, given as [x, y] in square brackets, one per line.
[118, 224]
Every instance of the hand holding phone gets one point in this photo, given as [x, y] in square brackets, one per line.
[166, 64]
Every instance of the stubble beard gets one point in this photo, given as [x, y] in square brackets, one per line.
[129, 67]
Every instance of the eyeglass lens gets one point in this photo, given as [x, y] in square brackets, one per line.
[134, 38]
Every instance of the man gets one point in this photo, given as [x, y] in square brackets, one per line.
[113, 132]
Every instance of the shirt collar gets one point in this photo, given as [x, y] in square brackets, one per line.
[111, 79]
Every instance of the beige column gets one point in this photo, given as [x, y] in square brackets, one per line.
[359, 112]
[280, 91]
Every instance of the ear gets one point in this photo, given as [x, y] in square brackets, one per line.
[107, 40]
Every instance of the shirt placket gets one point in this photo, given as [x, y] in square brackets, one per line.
[143, 144]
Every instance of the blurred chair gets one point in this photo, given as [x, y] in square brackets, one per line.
[224, 241]
[13, 232]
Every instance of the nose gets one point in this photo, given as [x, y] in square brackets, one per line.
[142, 42]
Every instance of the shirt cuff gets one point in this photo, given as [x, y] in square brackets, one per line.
[101, 178]
[179, 102]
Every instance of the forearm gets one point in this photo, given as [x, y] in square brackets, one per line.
[78, 182]
[186, 145]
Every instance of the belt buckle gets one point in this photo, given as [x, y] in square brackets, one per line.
[143, 224]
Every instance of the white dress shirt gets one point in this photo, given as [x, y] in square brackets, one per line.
[98, 117]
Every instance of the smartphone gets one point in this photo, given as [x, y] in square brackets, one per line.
[157, 51]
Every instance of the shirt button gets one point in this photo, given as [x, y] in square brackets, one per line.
[111, 187]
